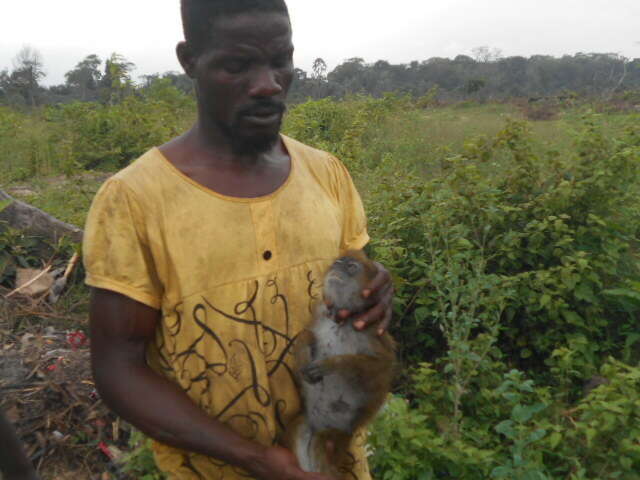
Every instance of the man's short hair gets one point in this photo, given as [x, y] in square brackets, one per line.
[199, 15]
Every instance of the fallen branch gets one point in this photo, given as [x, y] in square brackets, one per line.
[34, 221]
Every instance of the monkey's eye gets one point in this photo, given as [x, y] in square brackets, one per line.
[352, 268]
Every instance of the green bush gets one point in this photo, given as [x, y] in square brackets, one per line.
[511, 430]
[559, 233]
[140, 463]
[92, 135]
[79, 136]
[509, 257]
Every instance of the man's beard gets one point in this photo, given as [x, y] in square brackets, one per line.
[242, 144]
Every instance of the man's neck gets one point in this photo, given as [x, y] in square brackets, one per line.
[208, 144]
[216, 166]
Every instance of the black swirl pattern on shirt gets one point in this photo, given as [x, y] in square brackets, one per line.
[311, 286]
[269, 348]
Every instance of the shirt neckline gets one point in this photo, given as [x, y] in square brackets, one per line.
[176, 171]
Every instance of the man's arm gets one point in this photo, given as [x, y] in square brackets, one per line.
[14, 464]
[120, 330]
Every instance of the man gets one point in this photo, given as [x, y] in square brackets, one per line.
[206, 256]
[14, 464]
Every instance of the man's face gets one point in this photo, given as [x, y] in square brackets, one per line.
[243, 77]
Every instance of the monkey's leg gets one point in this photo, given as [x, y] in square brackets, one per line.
[331, 451]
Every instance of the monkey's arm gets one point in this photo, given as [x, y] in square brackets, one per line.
[303, 349]
[372, 373]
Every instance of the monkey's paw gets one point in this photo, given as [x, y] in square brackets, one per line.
[313, 373]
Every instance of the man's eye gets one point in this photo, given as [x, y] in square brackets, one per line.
[282, 61]
[235, 66]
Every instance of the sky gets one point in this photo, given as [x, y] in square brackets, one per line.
[399, 31]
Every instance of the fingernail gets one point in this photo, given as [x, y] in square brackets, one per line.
[380, 332]
[359, 325]
[344, 313]
[366, 293]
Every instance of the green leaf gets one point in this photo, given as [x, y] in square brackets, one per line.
[4, 204]
[501, 472]
[537, 435]
[421, 313]
[572, 318]
[534, 475]
[625, 293]
[505, 428]
[554, 439]
[524, 413]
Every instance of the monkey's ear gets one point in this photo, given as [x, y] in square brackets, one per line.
[187, 58]
[370, 269]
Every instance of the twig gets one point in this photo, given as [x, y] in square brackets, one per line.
[72, 264]
[29, 283]
[411, 303]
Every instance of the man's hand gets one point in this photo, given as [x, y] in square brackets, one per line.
[280, 464]
[381, 290]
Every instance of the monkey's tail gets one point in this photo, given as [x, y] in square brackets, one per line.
[306, 448]
[319, 452]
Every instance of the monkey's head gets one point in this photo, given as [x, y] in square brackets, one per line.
[346, 279]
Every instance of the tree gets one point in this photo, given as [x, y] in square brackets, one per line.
[474, 85]
[116, 82]
[319, 69]
[5, 83]
[86, 76]
[181, 81]
[485, 54]
[27, 72]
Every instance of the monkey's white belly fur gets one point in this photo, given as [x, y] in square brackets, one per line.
[336, 402]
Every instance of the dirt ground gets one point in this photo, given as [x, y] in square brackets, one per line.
[47, 391]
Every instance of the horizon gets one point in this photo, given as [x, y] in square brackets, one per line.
[411, 30]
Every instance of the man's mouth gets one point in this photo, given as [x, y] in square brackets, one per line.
[263, 115]
[263, 118]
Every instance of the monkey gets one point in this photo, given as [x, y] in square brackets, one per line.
[344, 375]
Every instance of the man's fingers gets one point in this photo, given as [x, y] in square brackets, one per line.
[386, 321]
[382, 278]
[381, 312]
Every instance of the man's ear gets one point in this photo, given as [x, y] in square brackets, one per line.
[187, 58]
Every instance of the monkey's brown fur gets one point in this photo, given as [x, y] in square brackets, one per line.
[344, 374]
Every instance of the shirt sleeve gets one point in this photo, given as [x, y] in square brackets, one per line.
[354, 225]
[116, 252]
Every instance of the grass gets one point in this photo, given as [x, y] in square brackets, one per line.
[415, 139]
[66, 198]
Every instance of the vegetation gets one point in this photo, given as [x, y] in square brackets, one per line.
[484, 75]
[514, 250]
[517, 289]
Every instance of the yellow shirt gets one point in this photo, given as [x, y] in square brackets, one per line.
[235, 280]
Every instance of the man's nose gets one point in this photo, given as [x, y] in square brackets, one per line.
[265, 83]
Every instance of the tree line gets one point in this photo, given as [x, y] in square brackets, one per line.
[484, 75]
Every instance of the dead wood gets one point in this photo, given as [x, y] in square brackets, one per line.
[47, 391]
[35, 222]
